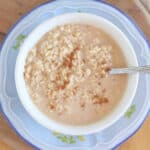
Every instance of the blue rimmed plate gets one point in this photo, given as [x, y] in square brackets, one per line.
[42, 138]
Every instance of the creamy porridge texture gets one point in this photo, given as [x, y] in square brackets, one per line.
[66, 74]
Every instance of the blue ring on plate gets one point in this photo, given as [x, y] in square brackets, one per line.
[133, 23]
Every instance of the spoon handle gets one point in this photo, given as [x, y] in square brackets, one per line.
[132, 69]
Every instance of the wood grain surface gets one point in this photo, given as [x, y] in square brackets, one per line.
[10, 12]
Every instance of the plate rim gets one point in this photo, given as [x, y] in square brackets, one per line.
[45, 3]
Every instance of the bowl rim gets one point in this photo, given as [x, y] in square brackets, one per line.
[54, 125]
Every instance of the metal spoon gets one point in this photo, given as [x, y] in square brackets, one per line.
[129, 70]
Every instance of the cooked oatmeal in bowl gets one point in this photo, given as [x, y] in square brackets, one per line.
[66, 76]
[62, 65]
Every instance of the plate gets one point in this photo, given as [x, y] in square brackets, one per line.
[42, 138]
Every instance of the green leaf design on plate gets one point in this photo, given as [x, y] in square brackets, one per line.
[80, 138]
[68, 139]
[130, 111]
[71, 140]
[19, 40]
[56, 133]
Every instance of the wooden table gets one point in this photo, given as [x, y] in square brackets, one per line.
[12, 10]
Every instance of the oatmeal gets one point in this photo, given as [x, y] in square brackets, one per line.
[66, 74]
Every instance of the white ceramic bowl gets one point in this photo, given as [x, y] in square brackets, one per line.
[82, 18]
